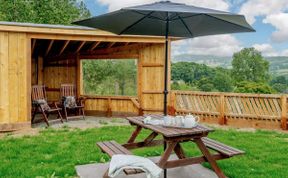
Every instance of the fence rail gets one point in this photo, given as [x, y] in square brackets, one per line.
[242, 110]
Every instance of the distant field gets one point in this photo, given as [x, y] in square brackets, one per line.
[278, 65]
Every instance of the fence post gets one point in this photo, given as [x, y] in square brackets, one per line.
[284, 112]
[171, 107]
[222, 120]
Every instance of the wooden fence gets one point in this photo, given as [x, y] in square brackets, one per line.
[240, 110]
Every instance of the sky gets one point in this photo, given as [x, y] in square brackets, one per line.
[268, 17]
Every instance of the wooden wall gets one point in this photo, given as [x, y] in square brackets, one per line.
[15, 76]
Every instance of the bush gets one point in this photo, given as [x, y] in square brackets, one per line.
[253, 87]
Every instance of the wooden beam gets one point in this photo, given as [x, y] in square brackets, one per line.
[111, 56]
[80, 46]
[96, 43]
[33, 46]
[114, 50]
[111, 44]
[127, 43]
[64, 47]
[103, 38]
[49, 47]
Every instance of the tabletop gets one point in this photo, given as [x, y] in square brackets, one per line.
[168, 131]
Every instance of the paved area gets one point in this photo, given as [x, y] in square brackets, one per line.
[192, 171]
[88, 122]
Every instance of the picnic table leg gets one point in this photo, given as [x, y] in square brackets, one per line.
[167, 153]
[134, 134]
[106, 174]
[179, 151]
[209, 157]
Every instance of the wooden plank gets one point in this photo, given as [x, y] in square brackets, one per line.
[222, 120]
[79, 82]
[80, 46]
[49, 47]
[40, 70]
[284, 112]
[111, 45]
[33, 45]
[104, 38]
[4, 78]
[94, 46]
[64, 47]
[13, 77]
[22, 73]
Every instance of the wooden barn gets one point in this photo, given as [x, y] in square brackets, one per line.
[51, 55]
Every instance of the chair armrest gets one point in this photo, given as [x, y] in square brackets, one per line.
[81, 100]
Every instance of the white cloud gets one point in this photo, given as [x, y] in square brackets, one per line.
[220, 45]
[284, 53]
[266, 49]
[253, 8]
[280, 22]
[118, 4]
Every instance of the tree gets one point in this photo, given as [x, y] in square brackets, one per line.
[253, 87]
[249, 65]
[223, 82]
[43, 11]
[205, 84]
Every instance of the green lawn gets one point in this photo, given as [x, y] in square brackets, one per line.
[54, 153]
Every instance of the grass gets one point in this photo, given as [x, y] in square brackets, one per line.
[54, 153]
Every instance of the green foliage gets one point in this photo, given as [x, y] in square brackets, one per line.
[110, 77]
[249, 65]
[43, 11]
[280, 84]
[253, 87]
[57, 152]
[205, 84]
[222, 80]
[181, 85]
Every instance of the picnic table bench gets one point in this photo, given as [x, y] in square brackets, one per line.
[172, 139]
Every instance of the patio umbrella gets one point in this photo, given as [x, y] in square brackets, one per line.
[170, 20]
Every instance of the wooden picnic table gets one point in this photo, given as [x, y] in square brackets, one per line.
[171, 140]
[172, 137]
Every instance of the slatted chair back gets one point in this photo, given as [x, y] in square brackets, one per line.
[38, 92]
[68, 90]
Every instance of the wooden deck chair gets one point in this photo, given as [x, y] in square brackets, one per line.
[40, 104]
[70, 102]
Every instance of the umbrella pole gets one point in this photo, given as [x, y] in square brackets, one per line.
[166, 68]
[166, 79]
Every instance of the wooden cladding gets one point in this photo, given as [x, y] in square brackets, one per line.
[15, 78]
[268, 111]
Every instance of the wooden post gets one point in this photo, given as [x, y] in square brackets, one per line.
[109, 109]
[40, 70]
[78, 76]
[284, 112]
[222, 120]
[171, 107]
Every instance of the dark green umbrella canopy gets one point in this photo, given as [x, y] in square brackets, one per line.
[168, 19]
[184, 21]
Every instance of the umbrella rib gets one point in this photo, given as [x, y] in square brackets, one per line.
[186, 26]
[185, 17]
[229, 22]
[130, 26]
[150, 16]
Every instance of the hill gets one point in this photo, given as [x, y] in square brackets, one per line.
[278, 64]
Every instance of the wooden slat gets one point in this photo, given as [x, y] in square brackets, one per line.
[64, 47]
[94, 46]
[49, 47]
[4, 78]
[221, 148]
[80, 46]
